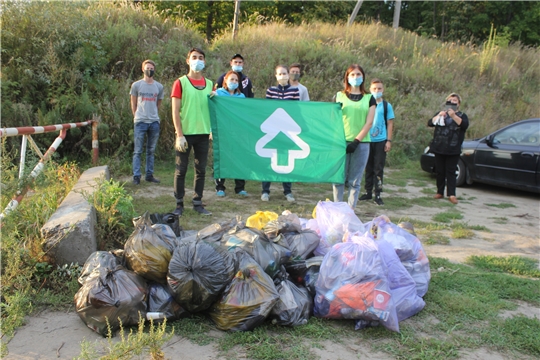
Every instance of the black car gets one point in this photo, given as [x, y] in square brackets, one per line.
[508, 157]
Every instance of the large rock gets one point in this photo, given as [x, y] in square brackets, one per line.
[69, 235]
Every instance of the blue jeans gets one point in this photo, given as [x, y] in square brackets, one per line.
[287, 188]
[355, 164]
[151, 130]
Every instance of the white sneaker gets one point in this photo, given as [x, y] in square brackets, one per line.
[290, 198]
[265, 197]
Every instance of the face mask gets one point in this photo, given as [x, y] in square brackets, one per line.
[377, 95]
[149, 73]
[232, 86]
[356, 82]
[295, 77]
[282, 79]
[196, 65]
[237, 68]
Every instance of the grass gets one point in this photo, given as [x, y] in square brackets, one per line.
[500, 220]
[448, 216]
[502, 205]
[517, 265]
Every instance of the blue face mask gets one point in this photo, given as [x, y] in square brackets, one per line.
[377, 95]
[232, 86]
[356, 82]
[237, 68]
[196, 65]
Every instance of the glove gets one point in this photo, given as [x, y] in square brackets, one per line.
[181, 144]
[351, 147]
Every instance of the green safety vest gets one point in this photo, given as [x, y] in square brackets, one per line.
[354, 115]
[194, 112]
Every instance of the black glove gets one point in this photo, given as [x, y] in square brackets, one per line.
[351, 147]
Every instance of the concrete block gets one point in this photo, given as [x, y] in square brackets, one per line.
[70, 233]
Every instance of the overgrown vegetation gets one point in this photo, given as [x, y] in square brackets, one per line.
[62, 62]
[28, 280]
[114, 207]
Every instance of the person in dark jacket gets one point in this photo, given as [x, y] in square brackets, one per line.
[245, 85]
[450, 126]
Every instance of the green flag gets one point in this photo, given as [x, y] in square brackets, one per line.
[277, 140]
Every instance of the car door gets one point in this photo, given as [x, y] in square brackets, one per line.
[510, 156]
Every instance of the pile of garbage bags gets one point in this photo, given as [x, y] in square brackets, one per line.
[277, 267]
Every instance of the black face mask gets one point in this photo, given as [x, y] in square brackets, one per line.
[149, 73]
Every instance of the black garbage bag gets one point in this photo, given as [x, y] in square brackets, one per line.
[147, 252]
[268, 254]
[294, 305]
[166, 233]
[169, 219]
[248, 299]
[287, 222]
[161, 304]
[304, 273]
[198, 272]
[114, 295]
[302, 244]
[98, 259]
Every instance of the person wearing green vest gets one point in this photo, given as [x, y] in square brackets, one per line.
[191, 119]
[358, 108]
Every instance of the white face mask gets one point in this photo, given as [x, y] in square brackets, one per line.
[282, 79]
[196, 65]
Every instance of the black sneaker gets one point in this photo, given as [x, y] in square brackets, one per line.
[378, 200]
[366, 196]
[179, 210]
[152, 179]
[201, 210]
[136, 180]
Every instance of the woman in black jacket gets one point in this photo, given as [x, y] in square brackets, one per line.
[450, 126]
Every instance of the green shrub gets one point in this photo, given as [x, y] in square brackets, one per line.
[114, 207]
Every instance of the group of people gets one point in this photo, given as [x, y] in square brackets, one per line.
[367, 119]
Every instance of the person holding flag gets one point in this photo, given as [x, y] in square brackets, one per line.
[230, 88]
[283, 91]
[358, 108]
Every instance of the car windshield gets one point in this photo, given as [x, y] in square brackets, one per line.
[524, 134]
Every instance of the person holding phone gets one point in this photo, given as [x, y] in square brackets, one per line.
[450, 125]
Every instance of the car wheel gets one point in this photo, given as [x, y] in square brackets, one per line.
[461, 173]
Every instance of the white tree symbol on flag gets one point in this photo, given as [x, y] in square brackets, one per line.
[281, 122]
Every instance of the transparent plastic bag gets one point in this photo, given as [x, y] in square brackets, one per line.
[352, 284]
[114, 295]
[248, 299]
[402, 285]
[408, 248]
[198, 272]
[334, 220]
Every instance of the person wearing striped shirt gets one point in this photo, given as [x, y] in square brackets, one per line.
[283, 91]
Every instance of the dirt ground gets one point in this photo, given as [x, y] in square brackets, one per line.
[513, 231]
